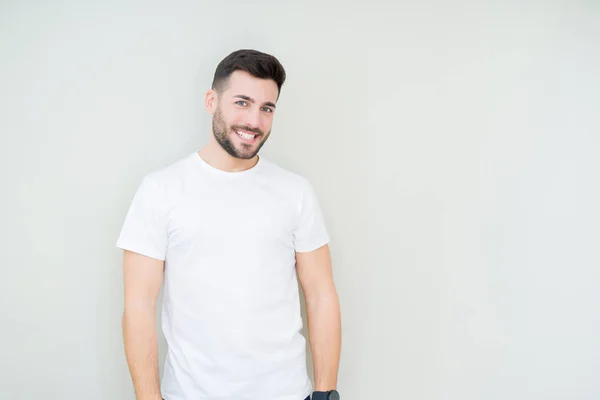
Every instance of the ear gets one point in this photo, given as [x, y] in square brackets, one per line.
[211, 101]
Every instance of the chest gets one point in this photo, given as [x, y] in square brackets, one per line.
[221, 220]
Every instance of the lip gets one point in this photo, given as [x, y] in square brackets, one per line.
[246, 140]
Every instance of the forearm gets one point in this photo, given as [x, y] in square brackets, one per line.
[324, 330]
[141, 350]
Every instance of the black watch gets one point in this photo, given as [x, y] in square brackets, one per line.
[330, 395]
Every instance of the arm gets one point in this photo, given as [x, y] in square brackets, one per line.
[142, 279]
[323, 310]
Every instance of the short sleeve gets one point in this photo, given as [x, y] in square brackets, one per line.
[145, 230]
[311, 232]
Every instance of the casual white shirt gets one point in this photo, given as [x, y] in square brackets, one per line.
[231, 307]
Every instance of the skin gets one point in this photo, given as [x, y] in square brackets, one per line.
[323, 313]
[143, 276]
[246, 104]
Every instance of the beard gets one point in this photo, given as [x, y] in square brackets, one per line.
[244, 151]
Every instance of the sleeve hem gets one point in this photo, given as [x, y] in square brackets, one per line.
[141, 250]
[313, 245]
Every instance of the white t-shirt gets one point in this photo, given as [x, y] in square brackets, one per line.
[231, 306]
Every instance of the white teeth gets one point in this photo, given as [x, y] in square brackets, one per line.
[245, 135]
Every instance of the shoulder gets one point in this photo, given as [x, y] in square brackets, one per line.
[283, 175]
[171, 173]
[167, 184]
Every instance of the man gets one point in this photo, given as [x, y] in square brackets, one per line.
[228, 230]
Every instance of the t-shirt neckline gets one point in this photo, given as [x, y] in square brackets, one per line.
[230, 174]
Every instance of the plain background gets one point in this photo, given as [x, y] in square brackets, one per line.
[454, 147]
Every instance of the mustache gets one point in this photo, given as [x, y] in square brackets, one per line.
[248, 129]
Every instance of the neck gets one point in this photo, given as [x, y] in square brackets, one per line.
[217, 157]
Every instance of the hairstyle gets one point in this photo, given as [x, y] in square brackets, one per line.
[256, 63]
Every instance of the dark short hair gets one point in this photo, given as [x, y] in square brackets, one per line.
[256, 63]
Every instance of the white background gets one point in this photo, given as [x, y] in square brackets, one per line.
[453, 145]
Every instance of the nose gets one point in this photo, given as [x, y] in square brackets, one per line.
[253, 118]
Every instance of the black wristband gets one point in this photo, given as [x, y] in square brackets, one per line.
[330, 395]
[319, 395]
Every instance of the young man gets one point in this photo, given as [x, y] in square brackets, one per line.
[228, 230]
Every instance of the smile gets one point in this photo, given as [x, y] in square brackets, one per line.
[246, 136]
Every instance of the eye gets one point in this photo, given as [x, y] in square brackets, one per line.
[267, 109]
[241, 102]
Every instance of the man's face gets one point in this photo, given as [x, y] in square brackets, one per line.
[243, 114]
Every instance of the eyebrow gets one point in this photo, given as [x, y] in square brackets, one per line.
[251, 100]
